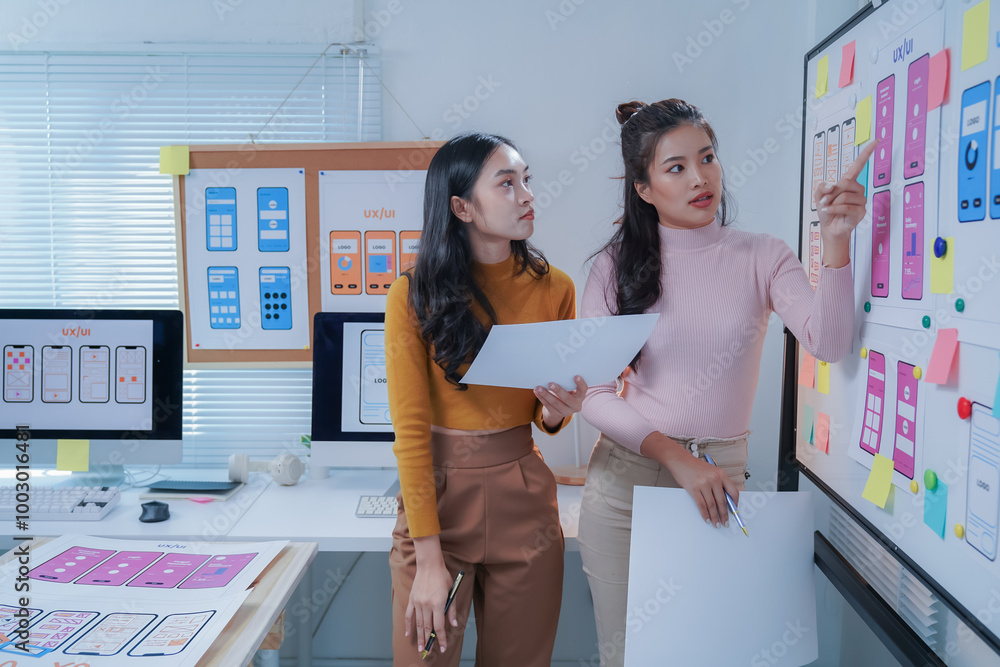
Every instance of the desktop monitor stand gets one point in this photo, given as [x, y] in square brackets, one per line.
[103, 475]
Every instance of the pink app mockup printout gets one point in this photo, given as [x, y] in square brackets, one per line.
[871, 429]
[168, 571]
[884, 98]
[916, 117]
[118, 569]
[218, 571]
[906, 420]
[70, 564]
[880, 243]
[913, 241]
[52, 631]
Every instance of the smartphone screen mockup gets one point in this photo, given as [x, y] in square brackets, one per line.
[95, 373]
[884, 99]
[218, 571]
[272, 219]
[70, 564]
[111, 634]
[18, 373]
[916, 117]
[848, 151]
[57, 373]
[345, 262]
[833, 154]
[983, 501]
[169, 571]
[220, 219]
[871, 431]
[118, 569]
[171, 635]
[904, 451]
[130, 371]
[912, 284]
[880, 243]
[819, 164]
[972, 153]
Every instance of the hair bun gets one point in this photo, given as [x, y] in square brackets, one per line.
[626, 109]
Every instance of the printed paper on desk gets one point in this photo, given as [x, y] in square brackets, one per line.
[682, 572]
[525, 356]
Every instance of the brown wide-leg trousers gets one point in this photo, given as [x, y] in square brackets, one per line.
[496, 502]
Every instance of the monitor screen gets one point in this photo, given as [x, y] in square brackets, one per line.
[98, 375]
[351, 426]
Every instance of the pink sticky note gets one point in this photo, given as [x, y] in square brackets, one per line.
[823, 432]
[807, 371]
[937, 80]
[847, 65]
[942, 356]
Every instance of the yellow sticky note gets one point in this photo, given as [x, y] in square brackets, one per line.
[864, 126]
[73, 455]
[943, 270]
[823, 378]
[175, 160]
[822, 75]
[879, 481]
[975, 35]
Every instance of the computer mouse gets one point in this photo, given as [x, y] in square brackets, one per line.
[154, 511]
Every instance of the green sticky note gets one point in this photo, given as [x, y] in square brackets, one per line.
[822, 75]
[975, 35]
[73, 455]
[863, 131]
[879, 481]
[863, 178]
[943, 269]
[175, 160]
[808, 424]
[936, 508]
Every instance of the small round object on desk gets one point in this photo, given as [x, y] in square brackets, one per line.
[917, 372]
[926, 321]
[930, 480]
[964, 408]
[868, 306]
[960, 305]
[864, 353]
[940, 247]
[959, 531]
[914, 487]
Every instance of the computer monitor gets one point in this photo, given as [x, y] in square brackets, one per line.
[111, 377]
[350, 399]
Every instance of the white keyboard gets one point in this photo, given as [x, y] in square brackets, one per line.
[376, 506]
[63, 503]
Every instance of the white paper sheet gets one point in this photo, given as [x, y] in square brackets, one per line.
[528, 355]
[701, 596]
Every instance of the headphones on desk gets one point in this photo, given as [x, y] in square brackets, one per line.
[286, 469]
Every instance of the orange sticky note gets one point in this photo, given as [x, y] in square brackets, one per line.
[823, 432]
[847, 65]
[807, 370]
[939, 367]
[823, 378]
[879, 481]
[937, 80]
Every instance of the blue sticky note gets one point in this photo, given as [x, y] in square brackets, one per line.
[996, 399]
[808, 423]
[863, 178]
[936, 507]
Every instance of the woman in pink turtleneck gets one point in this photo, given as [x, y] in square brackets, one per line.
[690, 389]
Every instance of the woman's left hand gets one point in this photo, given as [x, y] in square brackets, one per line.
[557, 403]
[841, 205]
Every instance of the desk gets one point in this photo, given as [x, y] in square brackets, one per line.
[247, 629]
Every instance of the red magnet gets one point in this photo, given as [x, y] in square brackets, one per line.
[964, 408]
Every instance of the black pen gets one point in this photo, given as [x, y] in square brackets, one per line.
[451, 598]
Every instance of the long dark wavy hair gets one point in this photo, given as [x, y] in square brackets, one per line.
[635, 245]
[442, 288]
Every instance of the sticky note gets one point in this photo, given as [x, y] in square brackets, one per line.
[823, 432]
[807, 370]
[73, 455]
[863, 178]
[174, 160]
[943, 270]
[937, 80]
[996, 399]
[822, 75]
[823, 378]
[975, 35]
[936, 508]
[942, 356]
[864, 127]
[879, 481]
[808, 426]
[846, 65]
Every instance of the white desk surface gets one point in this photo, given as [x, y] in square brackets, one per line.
[188, 520]
[322, 511]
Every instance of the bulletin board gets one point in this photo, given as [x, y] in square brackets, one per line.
[904, 431]
[269, 235]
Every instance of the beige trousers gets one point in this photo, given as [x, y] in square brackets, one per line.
[496, 502]
[606, 524]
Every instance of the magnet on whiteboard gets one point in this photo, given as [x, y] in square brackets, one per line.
[853, 100]
[917, 372]
[930, 479]
[815, 123]
[864, 353]
[874, 54]
[959, 531]
[914, 487]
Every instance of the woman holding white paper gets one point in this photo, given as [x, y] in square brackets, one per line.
[689, 389]
[475, 495]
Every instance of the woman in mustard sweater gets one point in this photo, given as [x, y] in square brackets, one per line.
[475, 494]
